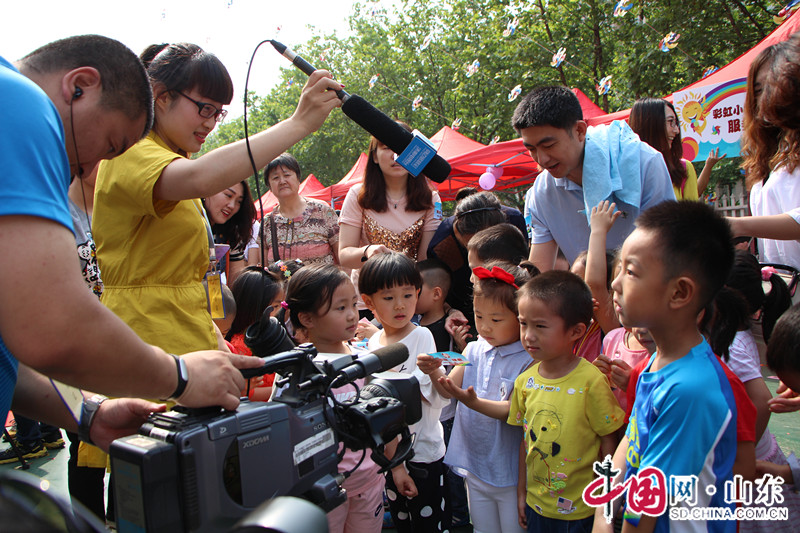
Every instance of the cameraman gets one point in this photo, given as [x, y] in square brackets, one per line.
[83, 96]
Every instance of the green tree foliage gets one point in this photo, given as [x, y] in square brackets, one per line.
[392, 44]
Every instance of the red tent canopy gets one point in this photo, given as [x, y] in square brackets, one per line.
[449, 143]
[611, 117]
[334, 195]
[590, 109]
[737, 68]
[309, 185]
[511, 156]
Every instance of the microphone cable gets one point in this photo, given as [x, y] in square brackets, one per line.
[79, 175]
[333, 425]
[252, 160]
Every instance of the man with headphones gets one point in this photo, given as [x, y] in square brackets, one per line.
[70, 104]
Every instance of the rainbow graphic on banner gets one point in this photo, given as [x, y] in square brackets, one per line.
[726, 90]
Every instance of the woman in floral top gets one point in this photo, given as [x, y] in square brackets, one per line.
[306, 229]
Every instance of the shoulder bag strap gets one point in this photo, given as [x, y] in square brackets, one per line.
[274, 233]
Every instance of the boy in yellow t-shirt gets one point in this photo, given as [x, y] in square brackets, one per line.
[564, 404]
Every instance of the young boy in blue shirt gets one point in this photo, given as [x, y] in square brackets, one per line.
[683, 421]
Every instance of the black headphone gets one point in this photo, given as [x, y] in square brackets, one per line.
[78, 93]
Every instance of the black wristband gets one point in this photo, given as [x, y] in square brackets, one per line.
[183, 377]
[364, 257]
[88, 411]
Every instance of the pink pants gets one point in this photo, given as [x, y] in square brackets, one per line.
[361, 513]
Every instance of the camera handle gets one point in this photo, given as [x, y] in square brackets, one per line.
[403, 453]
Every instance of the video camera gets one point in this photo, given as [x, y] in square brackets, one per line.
[204, 469]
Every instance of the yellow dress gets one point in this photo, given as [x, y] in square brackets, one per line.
[689, 191]
[153, 254]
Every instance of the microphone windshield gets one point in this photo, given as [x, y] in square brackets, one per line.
[437, 169]
[391, 356]
[390, 133]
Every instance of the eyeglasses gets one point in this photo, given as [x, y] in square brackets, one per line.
[207, 110]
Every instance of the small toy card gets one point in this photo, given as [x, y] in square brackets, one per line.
[451, 358]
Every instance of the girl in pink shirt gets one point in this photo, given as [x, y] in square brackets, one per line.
[321, 300]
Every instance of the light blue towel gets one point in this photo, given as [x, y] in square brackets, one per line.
[611, 169]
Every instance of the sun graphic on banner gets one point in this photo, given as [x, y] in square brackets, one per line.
[693, 113]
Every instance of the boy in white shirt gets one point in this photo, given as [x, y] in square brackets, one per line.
[389, 283]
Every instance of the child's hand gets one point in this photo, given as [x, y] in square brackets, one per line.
[427, 363]
[617, 371]
[786, 401]
[521, 504]
[464, 396]
[454, 318]
[460, 335]
[620, 374]
[766, 467]
[405, 485]
[603, 364]
[603, 216]
[365, 329]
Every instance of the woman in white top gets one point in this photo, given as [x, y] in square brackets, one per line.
[771, 150]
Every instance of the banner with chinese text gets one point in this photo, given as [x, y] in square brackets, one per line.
[711, 117]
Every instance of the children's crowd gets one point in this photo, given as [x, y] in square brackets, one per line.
[646, 355]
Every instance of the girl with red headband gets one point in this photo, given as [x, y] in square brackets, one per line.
[485, 450]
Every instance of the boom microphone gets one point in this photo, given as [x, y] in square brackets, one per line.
[375, 122]
[390, 133]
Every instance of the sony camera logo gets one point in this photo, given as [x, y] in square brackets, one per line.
[320, 427]
[255, 442]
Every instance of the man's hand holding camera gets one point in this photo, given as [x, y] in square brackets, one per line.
[118, 418]
[211, 380]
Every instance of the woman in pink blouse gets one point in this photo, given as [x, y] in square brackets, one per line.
[391, 210]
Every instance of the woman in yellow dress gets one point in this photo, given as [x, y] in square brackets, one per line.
[655, 122]
[152, 234]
